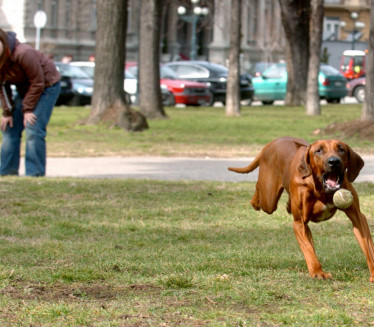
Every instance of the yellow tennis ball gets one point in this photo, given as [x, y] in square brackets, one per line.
[342, 198]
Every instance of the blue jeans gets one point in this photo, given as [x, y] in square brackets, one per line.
[35, 157]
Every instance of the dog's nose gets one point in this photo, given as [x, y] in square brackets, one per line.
[334, 162]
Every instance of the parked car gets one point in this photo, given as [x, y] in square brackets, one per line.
[183, 91]
[260, 67]
[130, 82]
[272, 84]
[66, 92]
[214, 75]
[82, 84]
[167, 97]
[356, 88]
[87, 66]
[65, 95]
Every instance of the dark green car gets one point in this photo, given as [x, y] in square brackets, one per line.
[272, 85]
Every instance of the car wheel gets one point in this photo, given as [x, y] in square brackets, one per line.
[359, 93]
[75, 101]
[211, 102]
[168, 100]
[333, 100]
[267, 102]
[128, 98]
[246, 102]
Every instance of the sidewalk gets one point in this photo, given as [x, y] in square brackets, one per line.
[164, 168]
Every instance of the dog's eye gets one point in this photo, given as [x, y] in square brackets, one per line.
[341, 149]
[318, 151]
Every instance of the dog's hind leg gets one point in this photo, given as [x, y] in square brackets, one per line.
[268, 192]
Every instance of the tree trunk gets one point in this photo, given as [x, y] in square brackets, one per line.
[150, 100]
[316, 25]
[233, 80]
[108, 100]
[368, 106]
[295, 20]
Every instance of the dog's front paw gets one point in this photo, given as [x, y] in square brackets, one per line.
[371, 279]
[320, 274]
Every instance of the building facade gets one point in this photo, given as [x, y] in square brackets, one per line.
[346, 27]
[71, 25]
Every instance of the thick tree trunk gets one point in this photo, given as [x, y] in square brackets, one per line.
[150, 100]
[295, 20]
[368, 105]
[233, 81]
[108, 100]
[316, 26]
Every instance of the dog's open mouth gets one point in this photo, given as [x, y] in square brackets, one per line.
[331, 181]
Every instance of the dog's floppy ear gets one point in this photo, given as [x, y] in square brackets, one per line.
[304, 165]
[355, 164]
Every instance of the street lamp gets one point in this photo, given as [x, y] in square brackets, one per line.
[356, 25]
[197, 13]
[40, 19]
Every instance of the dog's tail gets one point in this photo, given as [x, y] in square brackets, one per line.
[251, 167]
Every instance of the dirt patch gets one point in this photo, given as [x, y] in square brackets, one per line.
[31, 290]
[357, 128]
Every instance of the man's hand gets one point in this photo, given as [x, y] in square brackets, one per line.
[29, 117]
[5, 121]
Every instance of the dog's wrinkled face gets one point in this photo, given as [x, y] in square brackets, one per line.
[328, 161]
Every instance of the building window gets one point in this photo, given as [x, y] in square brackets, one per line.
[331, 29]
[252, 21]
[67, 17]
[40, 4]
[54, 14]
[93, 16]
[333, 2]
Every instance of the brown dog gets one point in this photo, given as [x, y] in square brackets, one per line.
[310, 174]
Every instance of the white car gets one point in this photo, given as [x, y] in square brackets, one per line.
[130, 82]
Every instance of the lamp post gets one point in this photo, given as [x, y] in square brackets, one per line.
[40, 19]
[356, 25]
[197, 13]
[354, 16]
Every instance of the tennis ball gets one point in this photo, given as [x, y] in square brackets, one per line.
[342, 198]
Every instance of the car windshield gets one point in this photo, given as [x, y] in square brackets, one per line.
[275, 71]
[128, 75]
[89, 70]
[219, 69]
[329, 70]
[167, 73]
[72, 71]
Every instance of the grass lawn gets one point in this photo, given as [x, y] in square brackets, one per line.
[196, 132]
[80, 252]
[106, 252]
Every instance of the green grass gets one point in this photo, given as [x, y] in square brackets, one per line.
[97, 252]
[196, 131]
[80, 252]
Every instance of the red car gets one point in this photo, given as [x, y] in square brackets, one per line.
[356, 88]
[184, 92]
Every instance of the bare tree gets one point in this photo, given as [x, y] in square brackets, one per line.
[368, 106]
[108, 100]
[295, 20]
[316, 26]
[150, 100]
[268, 39]
[233, 80]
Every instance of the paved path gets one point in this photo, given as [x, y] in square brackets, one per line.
[163, 168]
